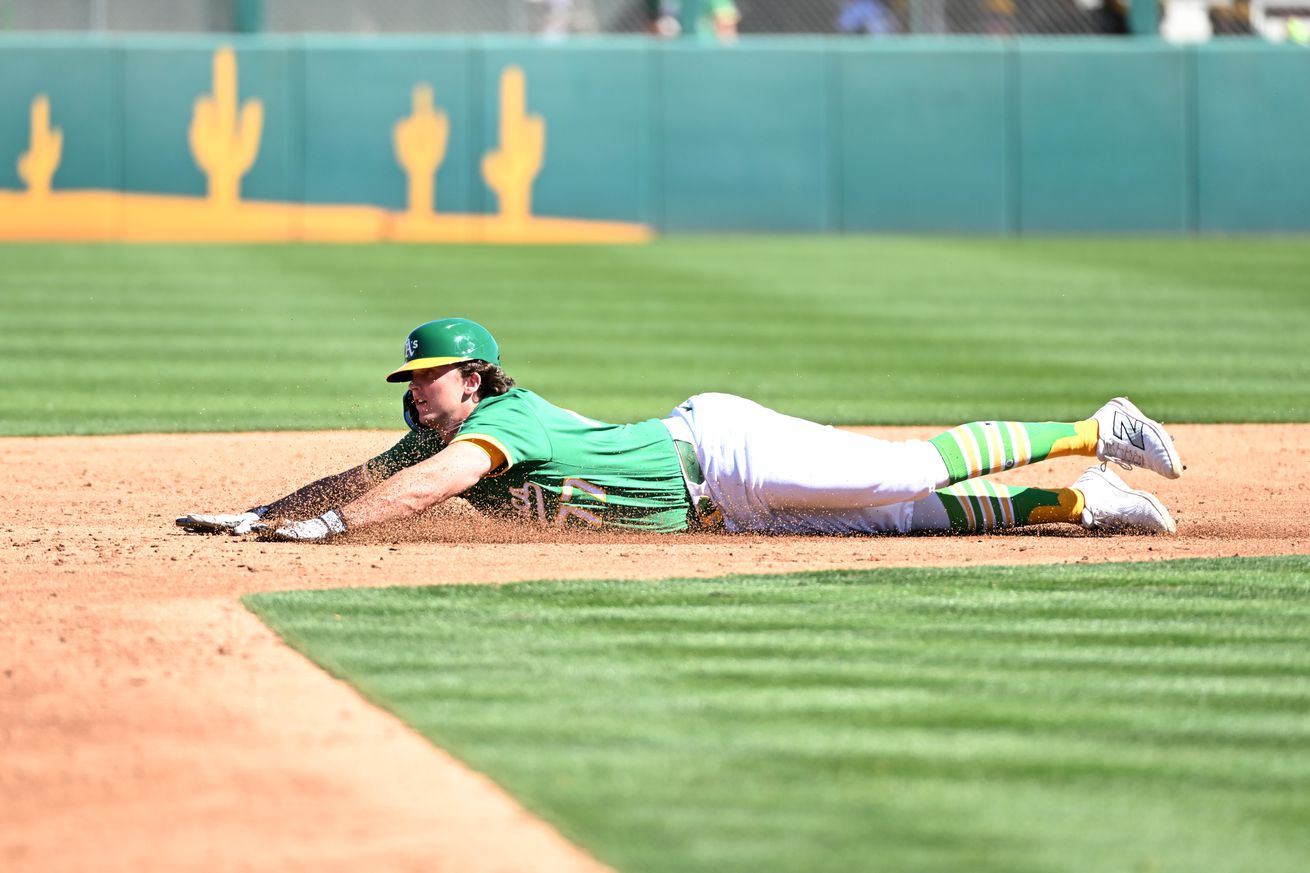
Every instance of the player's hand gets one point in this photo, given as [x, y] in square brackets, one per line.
[329, 524]
[236, 525]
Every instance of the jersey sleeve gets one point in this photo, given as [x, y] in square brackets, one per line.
[415, 446]
[508, 430]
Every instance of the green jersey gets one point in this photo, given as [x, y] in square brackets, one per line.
[556, 467]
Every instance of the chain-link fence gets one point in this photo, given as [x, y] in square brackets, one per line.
[1195, 19]
[118, 15]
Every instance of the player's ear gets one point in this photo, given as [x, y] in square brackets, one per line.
[472, 383]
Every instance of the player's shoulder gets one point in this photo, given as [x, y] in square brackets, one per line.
[520, 408]
[515, 404]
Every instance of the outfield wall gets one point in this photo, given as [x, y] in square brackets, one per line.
[812, 135]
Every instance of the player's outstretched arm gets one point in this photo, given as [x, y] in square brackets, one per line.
[450, 472]
[235, 523]
[323, 494]
[311, 499]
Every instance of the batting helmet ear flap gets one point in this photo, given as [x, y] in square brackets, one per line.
[411, 413]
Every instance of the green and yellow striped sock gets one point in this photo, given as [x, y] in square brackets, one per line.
[979, 505]
[983, 447]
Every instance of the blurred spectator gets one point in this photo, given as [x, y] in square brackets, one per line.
[662, 18]
[997, 17]
[555, 23]
[1186, 21]
[1110, 17]
[866, 16]
[558, 18]
[719, 17]
[1034, 17]
[1234, 20]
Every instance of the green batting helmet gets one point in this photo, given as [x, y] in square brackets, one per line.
[446, 341]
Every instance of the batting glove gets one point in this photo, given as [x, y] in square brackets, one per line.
[237, 525]
[329, 524]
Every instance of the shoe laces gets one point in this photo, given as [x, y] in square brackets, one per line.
[1118, 462]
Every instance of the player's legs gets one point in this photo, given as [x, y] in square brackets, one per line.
[982, 447]
[772, 472]
[1097, 500]
[769, 471]
[1118, 432]
[979, 505]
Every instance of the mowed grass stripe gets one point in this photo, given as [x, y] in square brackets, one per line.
[1119, 717]
[857, 330]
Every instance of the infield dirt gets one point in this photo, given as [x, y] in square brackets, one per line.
[149, 722]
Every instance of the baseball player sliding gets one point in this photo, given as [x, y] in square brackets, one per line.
[715, 462]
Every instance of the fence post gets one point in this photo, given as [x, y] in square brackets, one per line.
[1144, 17]
[247, 16]
[689, 18]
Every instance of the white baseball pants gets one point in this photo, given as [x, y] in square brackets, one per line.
[770, 472]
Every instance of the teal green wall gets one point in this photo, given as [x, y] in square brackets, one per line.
[745, 137]
[353, 96]
[924, 138]
[1253, 138]
[597, 100]
[81, 82]
[1104, 140]
[930, 135]
[160, 85]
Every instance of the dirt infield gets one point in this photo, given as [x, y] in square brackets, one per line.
[148, 722]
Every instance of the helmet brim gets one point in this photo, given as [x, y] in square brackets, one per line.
[402, 374]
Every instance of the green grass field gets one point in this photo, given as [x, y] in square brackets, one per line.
[108, 339]
[1126, 717]
[1146, 717]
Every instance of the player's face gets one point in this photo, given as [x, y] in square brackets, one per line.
[443, 397]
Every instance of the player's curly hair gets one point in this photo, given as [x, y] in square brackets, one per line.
[495, 381]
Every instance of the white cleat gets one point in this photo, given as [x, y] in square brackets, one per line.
[1130, 439]
[1114, 507]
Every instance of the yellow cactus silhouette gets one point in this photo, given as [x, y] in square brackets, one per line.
[511, 170]
[224, 136]
[420, 142]
[37, 165]
[224, 147]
